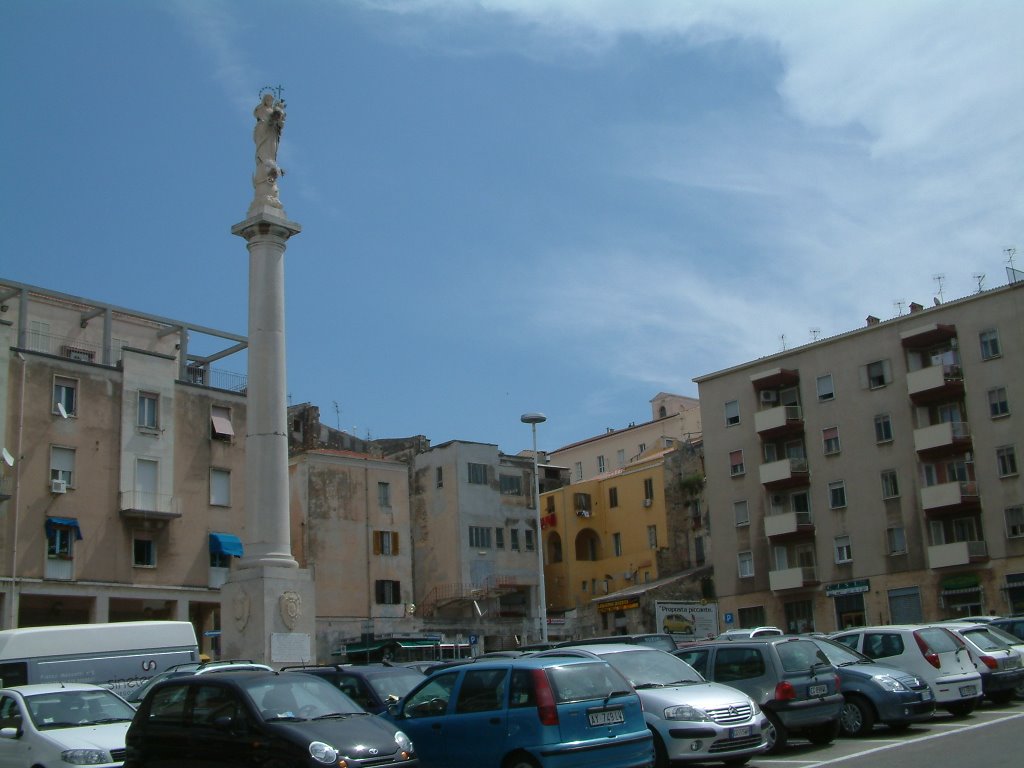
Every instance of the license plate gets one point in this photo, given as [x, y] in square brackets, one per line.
[968, 690]
[818, 690]
[926, 695]
[741, 732]
[606, 717]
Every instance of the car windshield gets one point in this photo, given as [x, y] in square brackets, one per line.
[396, 685]
[1005, 636]
[298, 697]
[585, 682]
[799, 655]
[650, 668]
[838, 654]
[984, 639]
[76, 708]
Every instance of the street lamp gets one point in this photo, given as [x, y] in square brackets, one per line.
[533, 419]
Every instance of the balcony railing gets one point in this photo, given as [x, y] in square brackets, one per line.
[957, 553]
[792, 578]
[949, 497]
[934, 381]
[786, 523]
[149, 506]
[783, 419]
[945, 437]
[783, 472]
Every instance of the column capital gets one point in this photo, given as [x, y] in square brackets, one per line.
[265, 223]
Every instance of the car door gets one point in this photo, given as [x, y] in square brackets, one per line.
[475, 730]
[17, 751]
[214, 743]
[424, 716]
[159, 735]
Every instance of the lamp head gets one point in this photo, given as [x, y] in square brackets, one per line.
[533, 418]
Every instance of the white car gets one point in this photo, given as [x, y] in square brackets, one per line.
[932, 653]
[62, 724]
[998, 662]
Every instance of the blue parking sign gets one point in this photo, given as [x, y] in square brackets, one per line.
[472, 639]
[728, 618]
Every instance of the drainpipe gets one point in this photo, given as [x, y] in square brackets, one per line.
[13, 621]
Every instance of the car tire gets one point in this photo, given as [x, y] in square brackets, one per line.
[660, 753]
[520, 760]
[823, 734]
[777, 734]
[962, 708]
[1002, 697]
[857, 717]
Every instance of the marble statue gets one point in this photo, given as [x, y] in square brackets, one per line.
[266, 134]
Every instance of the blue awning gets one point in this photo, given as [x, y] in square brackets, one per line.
[64, 522]
[225, 544]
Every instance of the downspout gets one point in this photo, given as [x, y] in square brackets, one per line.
[13, 622]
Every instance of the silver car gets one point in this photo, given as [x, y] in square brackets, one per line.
[692, 720]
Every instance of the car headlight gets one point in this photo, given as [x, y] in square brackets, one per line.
[755, 708]
[889, 683]
[85, 756]
[323, 753]
[686, 712]
[404, 742]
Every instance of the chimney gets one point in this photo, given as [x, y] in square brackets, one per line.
[915, 307]
[872, 320]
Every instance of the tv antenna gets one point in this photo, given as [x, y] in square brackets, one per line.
[939, 280]
[337, 415]
[782, 340]
[899, 304]
[815, 333]
[980, 277]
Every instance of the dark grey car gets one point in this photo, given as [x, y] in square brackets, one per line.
[789, 677]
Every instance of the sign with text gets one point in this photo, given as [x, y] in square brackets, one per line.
[687, 620]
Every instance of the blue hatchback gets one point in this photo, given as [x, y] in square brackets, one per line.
[526, 713]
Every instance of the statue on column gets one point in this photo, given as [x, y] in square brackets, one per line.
[266, 135]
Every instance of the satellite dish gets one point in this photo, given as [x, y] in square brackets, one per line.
[8, 459]
[62, 410]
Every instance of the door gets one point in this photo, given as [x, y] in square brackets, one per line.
[424, 717]
[14, 753]
[478, 721]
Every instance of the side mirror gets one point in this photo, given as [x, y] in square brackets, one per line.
[224, 723]
[10, 733]
[394, 710]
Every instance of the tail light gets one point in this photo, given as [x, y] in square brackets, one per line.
[785, 691]
[989, 662]
[546, 709]
[839, 683]
[929, 655]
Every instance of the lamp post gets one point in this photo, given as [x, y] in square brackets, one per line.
[533, 419]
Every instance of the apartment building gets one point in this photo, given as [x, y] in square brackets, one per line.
[122, 477]
[675, 419]
[873, 477]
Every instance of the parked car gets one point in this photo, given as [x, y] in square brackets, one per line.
[971, 620]
[193, 668]
[742, 634]
[692, 720]
[998, 663]
[1012, 624]
[61, 724]
[374, 687]
[652, 639]
[244, 719]
[932, 653]
[529, 712]
[789, 677]
[876, 693]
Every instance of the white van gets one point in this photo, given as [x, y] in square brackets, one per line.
[118, 656]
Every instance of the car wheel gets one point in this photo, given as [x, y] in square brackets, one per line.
[776, 733]
[823, 734]
[1002, 697]
[660, 753]
[857, 717]
[520, 760]
[962, 708]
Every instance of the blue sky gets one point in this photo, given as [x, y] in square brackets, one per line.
[564, 206]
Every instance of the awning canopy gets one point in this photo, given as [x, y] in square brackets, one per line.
[225, 544]
[64, 522]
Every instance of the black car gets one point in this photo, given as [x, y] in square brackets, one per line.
[260, 718]
[373, 687]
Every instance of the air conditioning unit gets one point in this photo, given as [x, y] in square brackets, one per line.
[647, 502]
[627, 576]
[58, 486]
[769, 397]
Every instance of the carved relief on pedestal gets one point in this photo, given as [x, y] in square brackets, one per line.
[241, 607]
[291, 608]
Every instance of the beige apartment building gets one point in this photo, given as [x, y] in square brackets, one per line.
[675, 419]
[122, 473]
[873, 477]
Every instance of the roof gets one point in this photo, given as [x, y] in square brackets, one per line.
[42, 688]
[640, 589]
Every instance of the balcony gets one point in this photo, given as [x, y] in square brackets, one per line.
[793, 578]
[943, 439]
[143, 506]
[780, 421]
[785, 473]
[776, 378]
[929, 335]
[950, 498]
[957, 553]
[788, 525]
[935, 383]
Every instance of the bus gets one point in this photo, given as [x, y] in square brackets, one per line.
[119, 656]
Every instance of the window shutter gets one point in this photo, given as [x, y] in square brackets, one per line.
[394, 542]
[376, 542]
[865, 383]
[887, 371]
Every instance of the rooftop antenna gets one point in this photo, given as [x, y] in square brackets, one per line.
[782, 340]
[980, 277]
[899, 304]
[337, 415]
[815, 333]
[939, 279]
[1012, 273]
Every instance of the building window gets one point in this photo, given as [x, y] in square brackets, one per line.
[1014, 522]
[741, 513]
[830, 440]
[60, 541]
[479, 537]
[388, 592]
[510, 485]
[652, 536]
[62, 466]
[844, 553]
[385, 542]
[890, 484]
[613, 497]
[837, 494]
[384, 495]
[65, 395]
[499, 538]
[641, 448]
[528, 540]
[513, 543]
[577, 471]
[801, 502]
[732, 413]
[648, 489]
[736, 462]
[143, 553]
[877, 374]
[883, 428]
[439, 477]
[581, 503]
[825, 389]
[998, 405]
[220, 487]
[989, 344]
[745, 564]
[600, 465]
[148, 410]
[620, 457]
[220, 423]
[754, 616]
[895, 540]
[1006, 457]
[477, 474]
[617, 544]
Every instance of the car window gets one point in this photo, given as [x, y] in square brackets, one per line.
[211, 703]
[585, 682]
[432, 699]
[10, 712]
[645, 666]
[168, 705]
[881, 645]
[696, 659]
[738, 664]
[482, 690]
[73, 708]
[837, 653]
[850, 641]
[396, 685]
[521, 692]
[799, 655]
[984, 639]
[355, 689]
[939, 640]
